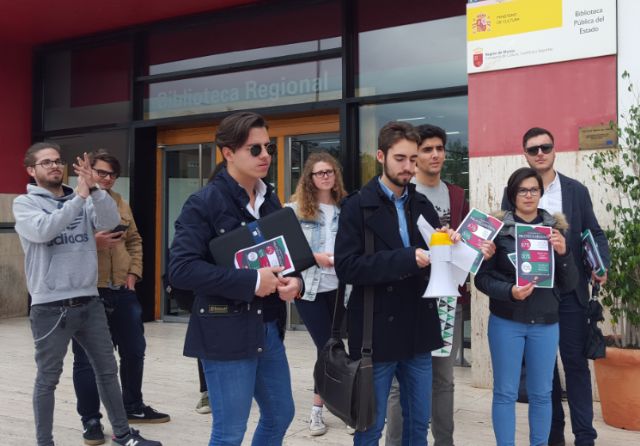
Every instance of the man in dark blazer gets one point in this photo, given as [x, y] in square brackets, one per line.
[406, 327]
[566, 195]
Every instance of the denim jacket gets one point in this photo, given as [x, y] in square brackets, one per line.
[315, 233]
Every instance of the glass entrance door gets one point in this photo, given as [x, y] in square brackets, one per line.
[299, 147]
[186, 168]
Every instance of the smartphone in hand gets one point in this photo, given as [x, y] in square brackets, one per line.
[119, 228]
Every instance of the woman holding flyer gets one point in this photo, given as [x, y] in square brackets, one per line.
[524, 319]
[319, 190]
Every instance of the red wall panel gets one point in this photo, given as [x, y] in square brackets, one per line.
[15, 115]
[560, 97]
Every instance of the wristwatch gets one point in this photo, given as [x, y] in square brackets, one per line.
[93, 189]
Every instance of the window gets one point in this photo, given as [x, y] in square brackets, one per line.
[87, 86]
[408, 45]
[448, 113]
[246, 37]
[115, 142]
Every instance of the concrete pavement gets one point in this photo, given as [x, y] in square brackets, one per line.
[171, 385]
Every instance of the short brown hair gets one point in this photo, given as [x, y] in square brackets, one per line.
[30, 154]
[104, 155]
[395, 131]
[234, 130]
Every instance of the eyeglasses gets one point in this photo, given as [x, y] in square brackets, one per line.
[256, 149]
[523, 191]
[324, 173]
[104, 174]
[48, 164]
[533, 150]
[429, 149]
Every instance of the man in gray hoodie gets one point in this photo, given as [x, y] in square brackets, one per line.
[56, 225]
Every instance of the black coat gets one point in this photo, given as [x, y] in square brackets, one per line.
[227, 321]
[404, 324]
[497, 276]
[578, 209]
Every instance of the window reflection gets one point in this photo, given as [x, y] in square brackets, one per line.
[245, 37]
[448, 113]
[115, 142]
[87, 86]
[291, 84]
[430, 55]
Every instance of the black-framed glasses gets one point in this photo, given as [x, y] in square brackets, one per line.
[533, 150]
[324, 173]
[256, 149]
[48, 164]
[523, 191]
[105, 173]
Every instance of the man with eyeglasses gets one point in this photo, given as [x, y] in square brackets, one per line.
[56, 228]
[451, 205]
[119, 268]
[566, 195]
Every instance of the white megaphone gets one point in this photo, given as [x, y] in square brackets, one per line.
[442, 282]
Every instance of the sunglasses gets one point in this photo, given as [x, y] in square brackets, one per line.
[256, 149]
[533, 150]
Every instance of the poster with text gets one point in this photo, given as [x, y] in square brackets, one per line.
[503, 34]
[534, 256]
[475, 229]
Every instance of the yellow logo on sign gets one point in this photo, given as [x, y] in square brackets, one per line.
[498, 18]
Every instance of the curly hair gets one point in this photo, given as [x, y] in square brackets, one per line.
[305, 195]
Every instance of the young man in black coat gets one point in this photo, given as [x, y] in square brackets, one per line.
[566, 195]
[406, 327]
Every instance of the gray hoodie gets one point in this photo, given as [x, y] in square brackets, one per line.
[57, 238]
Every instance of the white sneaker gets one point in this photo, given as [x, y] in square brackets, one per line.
[316, 423]
[203, 406]
[350, 430]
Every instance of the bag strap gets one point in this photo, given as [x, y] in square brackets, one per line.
[339, 310]
[367, 326]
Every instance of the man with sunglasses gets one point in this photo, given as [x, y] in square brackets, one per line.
[236, 327]
[566, 195]
[119, 268]
[56, 228]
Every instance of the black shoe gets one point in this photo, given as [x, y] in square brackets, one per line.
[556, 442]
[134, 438]
[147, 414]
[92, 432]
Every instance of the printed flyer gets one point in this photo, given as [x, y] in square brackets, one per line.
[591, 253]
[273, 252]
[534, 256]
[475, 229]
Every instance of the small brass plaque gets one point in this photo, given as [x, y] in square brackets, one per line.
[218, 309]
[598, 137]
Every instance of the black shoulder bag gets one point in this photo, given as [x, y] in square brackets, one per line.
[595, 345]
[344, 384]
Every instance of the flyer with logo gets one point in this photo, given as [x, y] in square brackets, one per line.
[273, 252]
[534, 256]
[475, 229]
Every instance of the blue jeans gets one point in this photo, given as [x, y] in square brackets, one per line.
[414, 376]
[53, 327]
[573, 332]
[508, 342]
[124, 315]
[233, 384]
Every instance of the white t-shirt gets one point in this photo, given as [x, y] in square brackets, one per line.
[328, 279]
